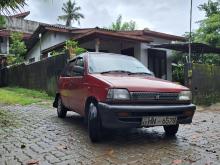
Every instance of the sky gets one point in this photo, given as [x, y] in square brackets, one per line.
[168, 16]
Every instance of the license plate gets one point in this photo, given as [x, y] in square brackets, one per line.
[159, 120]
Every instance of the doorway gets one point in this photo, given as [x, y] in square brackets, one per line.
[157, 62]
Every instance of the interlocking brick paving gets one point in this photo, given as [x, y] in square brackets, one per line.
[42, 136]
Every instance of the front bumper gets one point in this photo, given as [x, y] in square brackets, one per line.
[110, 118]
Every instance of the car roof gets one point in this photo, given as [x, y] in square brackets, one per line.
[108, 54]
[97, 53]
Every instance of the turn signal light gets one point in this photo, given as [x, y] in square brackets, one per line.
[188, 113]
[123, 114]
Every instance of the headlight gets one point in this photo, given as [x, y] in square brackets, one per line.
[118, 94]
[185, 96]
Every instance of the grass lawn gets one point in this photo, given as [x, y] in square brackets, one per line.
[15, 95]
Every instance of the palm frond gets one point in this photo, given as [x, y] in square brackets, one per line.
[63, 17]
[9, 6]
[76, 9]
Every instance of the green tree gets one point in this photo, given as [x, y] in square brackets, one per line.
[208, 33]
[126, 26]
[73, 47]
[210, 7]
[2, 22]
[209, 30]
[71, 13]
[17, 47]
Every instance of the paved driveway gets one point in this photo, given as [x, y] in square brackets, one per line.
[42, 137]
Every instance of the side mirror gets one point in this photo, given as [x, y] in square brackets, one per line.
[78, 70]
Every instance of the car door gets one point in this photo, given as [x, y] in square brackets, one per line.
[65, 84]
[77, 87]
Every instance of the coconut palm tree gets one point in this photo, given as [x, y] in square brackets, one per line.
[71, 13]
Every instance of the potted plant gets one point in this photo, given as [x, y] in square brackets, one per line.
[73, 49]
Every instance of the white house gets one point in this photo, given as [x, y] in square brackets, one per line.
[137, 43]
[15, 23]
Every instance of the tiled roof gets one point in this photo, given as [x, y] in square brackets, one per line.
[196, 48]
[58, 26]
[135, 35]
[21, 15]
[7, 33]
[155, 34]
[163, 35]
[42, 28]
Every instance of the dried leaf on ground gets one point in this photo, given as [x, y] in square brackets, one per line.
[177, 161]
[110, 152]
[32, 162]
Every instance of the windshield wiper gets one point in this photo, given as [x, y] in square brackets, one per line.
[116, 71]
[145, 73]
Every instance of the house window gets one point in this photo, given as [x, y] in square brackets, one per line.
[31, 60]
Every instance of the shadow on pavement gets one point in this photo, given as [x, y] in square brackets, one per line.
[121, 137]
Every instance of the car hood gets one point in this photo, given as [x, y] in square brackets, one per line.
[140, 83]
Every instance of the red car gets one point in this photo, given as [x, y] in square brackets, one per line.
[117, 91]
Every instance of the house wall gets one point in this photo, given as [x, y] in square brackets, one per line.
[21, 25]
[49, 39]
[16, 24]
[160, 41]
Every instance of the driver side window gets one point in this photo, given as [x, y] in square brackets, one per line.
[80, 62]
[69, 69]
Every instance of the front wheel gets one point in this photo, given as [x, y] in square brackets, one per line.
[171, 130]
[61, 110]
[94, 123]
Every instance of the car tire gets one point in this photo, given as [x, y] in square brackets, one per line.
[61, 110]
[171, 130]
[94, 123]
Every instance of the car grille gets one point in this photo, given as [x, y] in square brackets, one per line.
[153, 96]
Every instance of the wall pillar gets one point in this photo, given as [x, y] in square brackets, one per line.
[169, 65]
[7, 45]
[97, 44]
[144, 54]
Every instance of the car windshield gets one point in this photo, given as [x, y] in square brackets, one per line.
[105, 63]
